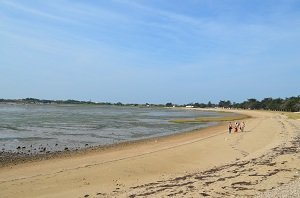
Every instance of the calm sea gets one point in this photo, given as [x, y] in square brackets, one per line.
[55, 127]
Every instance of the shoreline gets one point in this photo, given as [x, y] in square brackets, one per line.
[15, 158]
[214, 164]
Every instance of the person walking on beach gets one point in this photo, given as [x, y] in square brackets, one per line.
[236, 126]
[243, 126]
[229, 127]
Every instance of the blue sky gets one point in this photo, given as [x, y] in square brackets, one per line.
[156, 51]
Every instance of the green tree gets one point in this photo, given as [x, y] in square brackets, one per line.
[169, 104]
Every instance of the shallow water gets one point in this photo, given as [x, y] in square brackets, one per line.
[34, 127]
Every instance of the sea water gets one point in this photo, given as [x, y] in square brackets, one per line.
[57, 127]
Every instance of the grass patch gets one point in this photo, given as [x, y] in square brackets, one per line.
[292, 115]
[211, 119]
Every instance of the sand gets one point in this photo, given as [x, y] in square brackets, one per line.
[208, 162]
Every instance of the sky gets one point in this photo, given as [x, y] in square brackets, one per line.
[149, 51]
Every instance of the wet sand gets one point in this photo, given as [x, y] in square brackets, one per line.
[208, 162]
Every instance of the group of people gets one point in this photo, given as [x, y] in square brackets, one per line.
[236, 127]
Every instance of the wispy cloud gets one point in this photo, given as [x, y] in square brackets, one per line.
[36, 12]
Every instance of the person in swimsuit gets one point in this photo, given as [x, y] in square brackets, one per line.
[229, 127]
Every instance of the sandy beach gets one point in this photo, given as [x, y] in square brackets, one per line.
[208, 162]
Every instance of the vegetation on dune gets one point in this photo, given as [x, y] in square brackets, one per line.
[291, 104]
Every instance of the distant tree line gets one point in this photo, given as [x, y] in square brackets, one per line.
[42, 101]
[38, 101]
[291, 104]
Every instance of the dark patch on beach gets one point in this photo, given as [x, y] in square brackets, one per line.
[174, 194]
[241, 183]
[204, 194]
[103, 194]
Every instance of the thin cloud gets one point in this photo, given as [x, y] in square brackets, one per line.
[36, 12]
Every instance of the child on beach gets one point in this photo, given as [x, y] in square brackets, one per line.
[229, 127]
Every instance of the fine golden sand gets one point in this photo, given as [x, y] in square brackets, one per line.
[209, 162]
